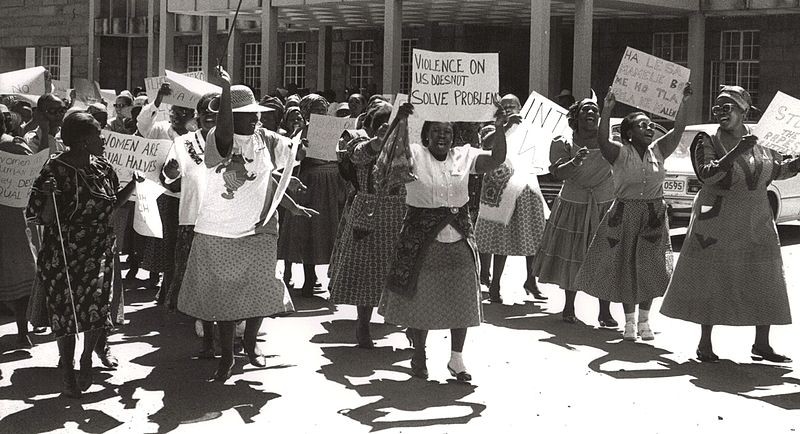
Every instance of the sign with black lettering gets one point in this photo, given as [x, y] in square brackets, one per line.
[779, 127]
[649, 83]
[28, 81]
[451, 86]
[17, 173]
[129, 154]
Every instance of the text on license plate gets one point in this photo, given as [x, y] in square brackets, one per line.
[674, 185]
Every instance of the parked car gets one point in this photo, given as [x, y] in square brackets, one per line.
[681, 185]
[551, 186]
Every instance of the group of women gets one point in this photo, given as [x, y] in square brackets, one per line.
[393, 218]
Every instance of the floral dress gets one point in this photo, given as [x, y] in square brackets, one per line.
[85, 199]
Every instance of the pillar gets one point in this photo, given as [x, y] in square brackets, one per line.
[392, 45]
[270, 66]
[324, 57]
[166, 38]
[92, 70]
[696, 58]
[230, 60]
[208, 31]
[539, 70]
[582, 51]
[151, 39]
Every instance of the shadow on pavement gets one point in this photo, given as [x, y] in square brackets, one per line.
[748, 380]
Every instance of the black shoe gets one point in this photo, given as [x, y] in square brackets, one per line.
[461, 377]
[207, 354]
[85, 378]
[223, 371]
[533, 290]
[486, 280]
[419, 367]
[410, 337]
[608, 323]
[769, 355]
[569, 318]
[24, 341]
[494, 295]
[256, 358]
[69, 386]
[706, 356]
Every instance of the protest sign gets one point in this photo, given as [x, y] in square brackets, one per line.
[59, 88]
[87, 92]
[146, 219]
[779, 127]
[187, 91]
[529, 144]
[649, 83]
[283, 183]
[17, 173]
[28, 81]
[323, 135]
[110, 97]
[129, 154]
[414, 121]
[152, 84]
[451, 86]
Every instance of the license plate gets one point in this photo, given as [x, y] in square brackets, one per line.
[674, 186]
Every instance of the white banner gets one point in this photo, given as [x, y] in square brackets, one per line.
[152, 84]
[187, 91]
[28, 81]
[779, 127]
[129, 154]
[17, 173]
[146, 219]
[451, 86]
[529, 144]
[323, 135]
[650, 83]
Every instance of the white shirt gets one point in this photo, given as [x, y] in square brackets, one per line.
[442, 183]
[189, 151]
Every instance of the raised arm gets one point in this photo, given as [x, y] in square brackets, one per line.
[503, 120]
[608, 148]
[223, 133]
[669, 142]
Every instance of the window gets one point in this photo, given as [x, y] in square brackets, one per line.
[672, 46]
[361, 63]
[194, 58]
[51, 60]
[252, 67]
[738, 64]
[406, 45]
[294, 64]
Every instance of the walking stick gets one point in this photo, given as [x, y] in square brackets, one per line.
[230, 33]
[66, 265]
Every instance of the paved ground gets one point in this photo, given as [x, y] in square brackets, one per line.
[532, 373]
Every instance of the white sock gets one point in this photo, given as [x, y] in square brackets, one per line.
[630, 318]
[456, 362]
[644, 315]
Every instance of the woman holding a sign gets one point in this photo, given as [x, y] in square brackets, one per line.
[629, 260]
[433, 280]
[730, 270]
[230, 273]
[73, 198]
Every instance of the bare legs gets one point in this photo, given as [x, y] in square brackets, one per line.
[499, 265]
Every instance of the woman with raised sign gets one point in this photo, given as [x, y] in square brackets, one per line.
[74, 198]
[629, 260]
[586, 195]
[730, 270]
[433, 280]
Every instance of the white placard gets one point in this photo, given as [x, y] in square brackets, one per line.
[17, 173]
[452, 86]
[152, 84]
[146, 219]
[779, 127]
[323, 135]
[650, 83]
[187, 91]
[28, 81]
[529, 144]
[129, 154]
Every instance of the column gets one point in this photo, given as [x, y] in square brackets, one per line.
[392, 43]
[696, 58]
[539, 70]
[151, 39]
[208, 31]
[270, 68]
[92, 72]
[582, 53]
[166, 38]
[324, 58]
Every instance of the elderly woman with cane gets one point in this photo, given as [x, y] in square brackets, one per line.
[73, 198]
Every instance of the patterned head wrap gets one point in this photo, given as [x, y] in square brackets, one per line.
[308, 101]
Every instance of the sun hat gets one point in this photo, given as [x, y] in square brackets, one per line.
[127, 95]
[243, 100]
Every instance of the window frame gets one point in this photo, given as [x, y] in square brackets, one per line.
[50, 62]
[251, 64]
[360, 62]
[194, 52]
[294, 63]
[735, 66]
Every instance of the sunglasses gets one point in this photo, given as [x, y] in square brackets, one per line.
[722, 109]
[120, 106]
[644, 125]
[56, 111]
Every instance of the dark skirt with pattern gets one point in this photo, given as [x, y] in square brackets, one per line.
[365, 248]
[230, 279]
[17, 258]
[183, 245]
[158, 254]
[630, 258]
[523, 234]
[311, 241]
[448, 292]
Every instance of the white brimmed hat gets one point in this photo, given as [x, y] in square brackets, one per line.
[243, 100]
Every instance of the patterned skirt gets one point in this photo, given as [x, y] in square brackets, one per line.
[524, 232]
[630, 257]
[158, 253]
[730, 270]
[230, 279]
[183, 245]
[448, 293]
[310, 240]
[365, 249]
[17, 258]
[566, 238]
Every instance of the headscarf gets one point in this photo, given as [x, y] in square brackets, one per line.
[275, 104]
[285, 120]
[308, 101]
[738, 94]
[292, 101]
[574, 109]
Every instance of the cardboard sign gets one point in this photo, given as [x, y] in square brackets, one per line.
[110, 97]
[59, 88]
[323, 135]
[87, 92]
[152, 84]
[187, 91]
[650, 83]
[779, 127]
[146, 219]
[529, 144]
[24, 81]
[17, 173]
[452, 86]
[129, 154]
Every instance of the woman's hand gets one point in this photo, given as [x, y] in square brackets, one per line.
[302, 211]
[687, 91]
[746, 143]
[223, 75]
[577, 160]
[405, 110]
[164, 90]
[611, 100]
[171, 169]
[49, 186]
